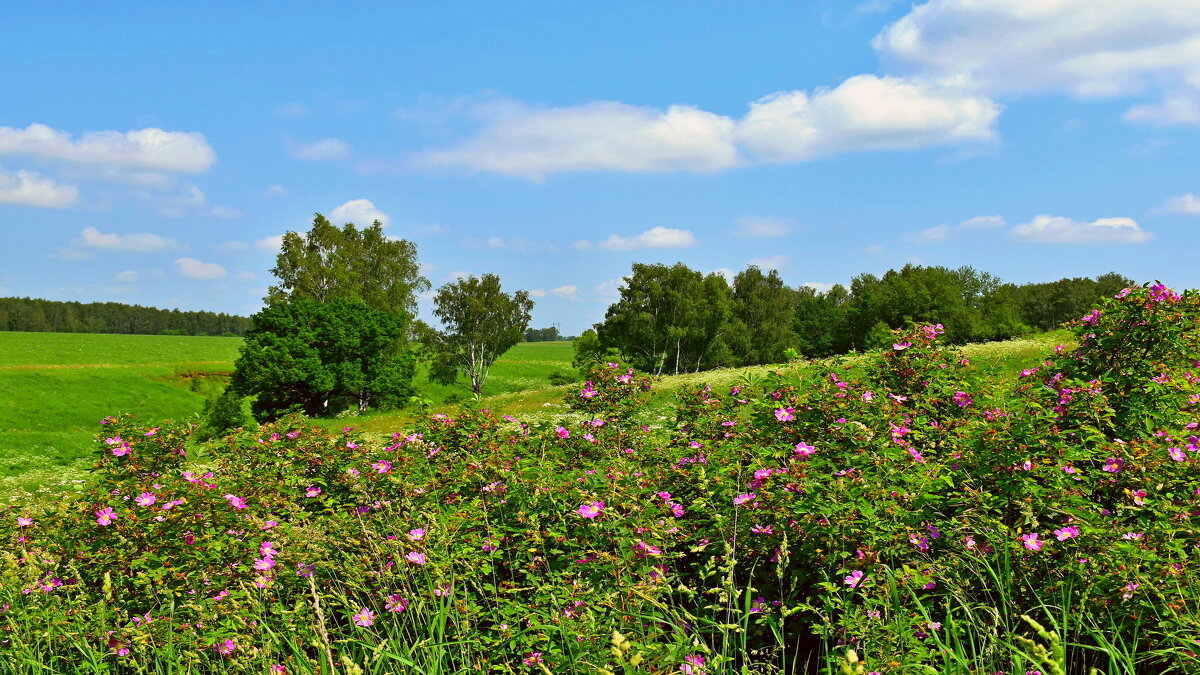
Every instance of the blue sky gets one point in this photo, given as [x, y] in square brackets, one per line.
[153, 153]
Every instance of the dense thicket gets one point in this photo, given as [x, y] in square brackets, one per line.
[543, 334]
[675, 319]
[54, 316]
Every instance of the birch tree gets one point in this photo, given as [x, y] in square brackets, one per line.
[480, 322]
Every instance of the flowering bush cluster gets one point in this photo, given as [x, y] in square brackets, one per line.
[880, 503]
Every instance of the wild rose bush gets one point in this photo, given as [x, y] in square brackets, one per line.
[882, 503]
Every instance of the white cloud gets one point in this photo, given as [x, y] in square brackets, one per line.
[937, 233]
[142, 242]
[1090, 48]
[753, 226]
[68, 253]
[435, 229]
[655, 237]
[126, 277]
[818, 286]
[33, 189]
[570, 292]
[773, 262]
[531, 142]
[196, 269]
[982, 222]
[270, 244]
[865, 113]
[232, 247]
[361, 212]
[1059, 230]
[1176, 108]
[874, 249]
[275, 190]
[324, 150]
[174, 151]
[245, 276]
[538, 292]
[1188, 203]
[725, 272]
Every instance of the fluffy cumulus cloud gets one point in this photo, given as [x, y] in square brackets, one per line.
[1187, 204]
[1090, 48]
[33, 189]
[1059, 230]
[982, 222]
[139, 242]
[765, 228]
[569, 292]
[324, 150]
[865, 112]
[655, 237]
[531, 142]
[361, 212]
[937, 233]
[196, 269]
[155, 149]
[270, 244]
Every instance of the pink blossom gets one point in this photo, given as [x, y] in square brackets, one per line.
[105, 516]
[855, 578]
[416, 558]
[642, 549]
[901, 346]
[532, 658]
[227, 647]
[312, 491]
[382, 466]
[1031, 541]
[1114, 465]
[145, 499]
[785, 414]
[121, 450]
[416, 534]
[1129, 589]
[24, 522]
[590, 509]
[1177, 454]
[743, 498]
[562, 432]
[264, 564]
[1133, 536]
[804, 449]
[1068, 532]
[364, 617]
[693, 664]
[235, 501]
[395, 603]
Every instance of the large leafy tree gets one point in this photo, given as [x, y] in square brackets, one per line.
[346, 263]
[322, 357]
[763, 314]
[669, 319]
[480, 322]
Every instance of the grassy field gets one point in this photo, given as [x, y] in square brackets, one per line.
[55, 387]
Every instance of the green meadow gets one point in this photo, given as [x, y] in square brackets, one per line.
[56, 387]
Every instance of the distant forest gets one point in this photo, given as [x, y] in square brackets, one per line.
[53, 316]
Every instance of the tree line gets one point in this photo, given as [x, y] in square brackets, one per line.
[675, 319]
[55, 316]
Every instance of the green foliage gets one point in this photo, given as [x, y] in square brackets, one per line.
[764, 310]
[891, 512]
[319, 358]
[669, 319]
[365, 266]
[480, 322]
[222, 414]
